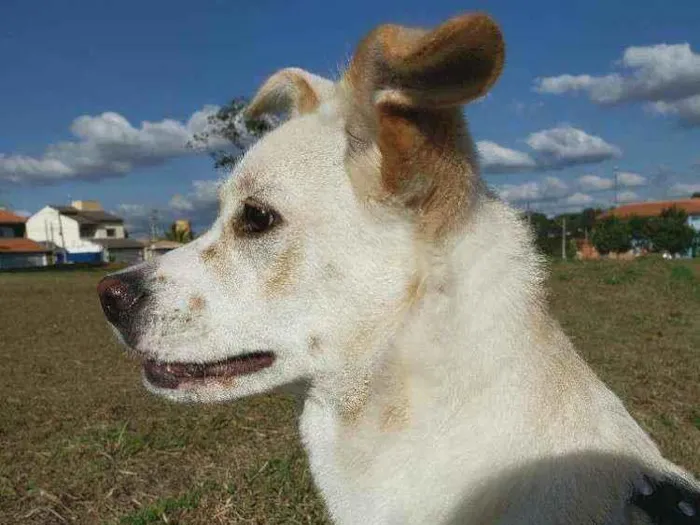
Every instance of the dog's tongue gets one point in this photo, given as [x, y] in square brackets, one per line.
[171, 375]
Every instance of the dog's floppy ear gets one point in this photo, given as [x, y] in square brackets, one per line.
[404, 90]
[290, 90]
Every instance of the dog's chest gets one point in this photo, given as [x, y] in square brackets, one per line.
[398, 478]
[346, 469]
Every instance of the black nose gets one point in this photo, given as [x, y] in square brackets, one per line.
[122, 296]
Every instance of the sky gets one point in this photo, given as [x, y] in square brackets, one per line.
[98, 99]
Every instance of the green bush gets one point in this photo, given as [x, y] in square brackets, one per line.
[670, 232]
[612, 235]
[551, 246]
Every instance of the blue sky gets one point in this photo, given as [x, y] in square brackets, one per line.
[76, 74]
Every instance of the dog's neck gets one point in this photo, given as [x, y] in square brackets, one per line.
[458, 343]
[464, 293]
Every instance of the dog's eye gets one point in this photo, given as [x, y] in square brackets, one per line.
[257, 219]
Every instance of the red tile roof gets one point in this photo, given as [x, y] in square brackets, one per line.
[653, 209]
[7, 217]
[20, 245]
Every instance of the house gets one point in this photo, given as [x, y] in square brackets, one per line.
[654, 209]
[84, 232]
[124, 250]
[16, 251]
[158, 248]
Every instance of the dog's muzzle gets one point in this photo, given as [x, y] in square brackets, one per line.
[123, 296]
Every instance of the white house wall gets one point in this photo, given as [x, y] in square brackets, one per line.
[694, 222]
[101, 231]
[48, 225]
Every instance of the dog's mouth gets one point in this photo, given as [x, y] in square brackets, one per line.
[174, 375]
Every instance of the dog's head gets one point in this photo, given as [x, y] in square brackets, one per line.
[316, 252]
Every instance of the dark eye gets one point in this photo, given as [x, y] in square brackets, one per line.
[257, 219]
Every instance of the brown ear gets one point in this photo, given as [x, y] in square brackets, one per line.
[404, 89]
[453, 64]
[290, 90]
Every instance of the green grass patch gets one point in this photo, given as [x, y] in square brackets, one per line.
[682, 274]
[75, 422]
[162, 510]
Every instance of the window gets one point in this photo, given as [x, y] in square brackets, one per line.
[111, 232]
[6, 231]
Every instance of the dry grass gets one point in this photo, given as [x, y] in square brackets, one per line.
[81, 442]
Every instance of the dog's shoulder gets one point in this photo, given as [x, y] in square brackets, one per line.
[586, 489]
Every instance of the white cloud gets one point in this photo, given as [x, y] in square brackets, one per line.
[566, 146]
[601, 89]
[627, 196]
[136, 217]
[551, 149]
[107, 145]
[687, 109]
[133, 210]
[547, 188]
[578, 199]
[594, 183]
[554, 193]
[526, 191]
[497, 159]
[203, 196]
[667, 75]
[199, 205]
[523, 109]
[181, 203]
[628, 179]
[684, 190]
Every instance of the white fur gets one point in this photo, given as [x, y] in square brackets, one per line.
[494, 409]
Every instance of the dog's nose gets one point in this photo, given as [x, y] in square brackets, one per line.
[120, 296]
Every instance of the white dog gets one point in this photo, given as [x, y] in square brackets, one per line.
[357, 253]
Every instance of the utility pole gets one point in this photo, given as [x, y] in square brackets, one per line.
[563, 238]
[63, 239]
[529, 215]
[154, 224]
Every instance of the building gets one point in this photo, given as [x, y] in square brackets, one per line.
[16, 251]
[84, 232]
[124, 250]
[654, 209]
[158, 248]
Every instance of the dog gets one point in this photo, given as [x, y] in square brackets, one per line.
[359, 259]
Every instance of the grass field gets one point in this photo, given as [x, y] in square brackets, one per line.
[82, 442]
